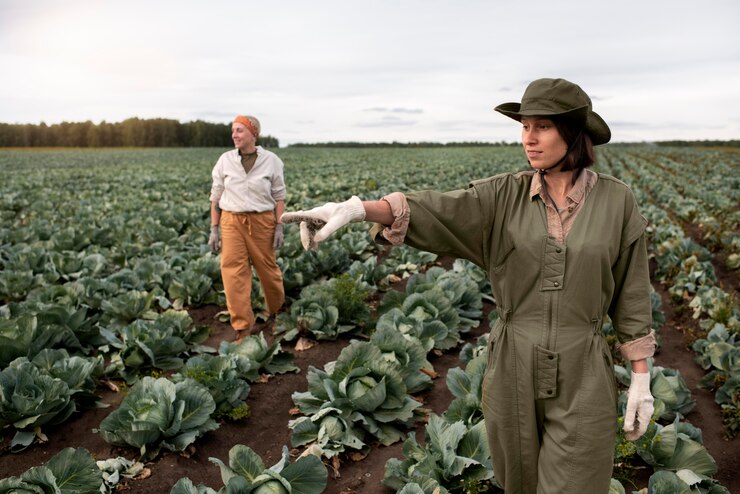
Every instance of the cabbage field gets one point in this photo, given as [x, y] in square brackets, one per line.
[117, 370]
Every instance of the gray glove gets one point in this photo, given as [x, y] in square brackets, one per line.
[639, 409]
[214, 241]
[279, 238]
[319, 223]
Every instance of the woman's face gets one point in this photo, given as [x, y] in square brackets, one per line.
[543, 144]
[242, 137]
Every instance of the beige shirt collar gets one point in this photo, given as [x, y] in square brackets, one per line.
[585, 182]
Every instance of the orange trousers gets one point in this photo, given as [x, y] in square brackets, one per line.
[246, 241]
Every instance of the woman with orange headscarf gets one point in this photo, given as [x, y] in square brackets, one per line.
[247, 200]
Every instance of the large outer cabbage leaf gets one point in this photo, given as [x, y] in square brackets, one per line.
[71, 471]
[37, 480]
[615, 487]
[466, 386]
[307, 475]
[672, 449]
[194, 409]
[75, 470]
[444, 438]
[669, 386]
[243, 461]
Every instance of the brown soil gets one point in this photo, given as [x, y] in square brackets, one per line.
[266, 429]
[675, 352]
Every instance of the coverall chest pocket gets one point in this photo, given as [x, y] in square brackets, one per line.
[552, 266]
[545, 373]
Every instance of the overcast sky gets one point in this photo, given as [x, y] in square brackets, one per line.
[405, 70]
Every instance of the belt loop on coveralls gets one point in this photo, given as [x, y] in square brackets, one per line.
[504, 314]
[596, 325]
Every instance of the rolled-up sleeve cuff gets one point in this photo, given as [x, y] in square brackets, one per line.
[278, 191]
[216, 192]
[639, 348]
[396, 232]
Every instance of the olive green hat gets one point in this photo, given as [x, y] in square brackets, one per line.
[561, 98]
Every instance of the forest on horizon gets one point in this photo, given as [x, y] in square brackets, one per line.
[164, 132]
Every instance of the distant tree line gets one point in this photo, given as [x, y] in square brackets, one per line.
[132, 132]
[396, 144]
[424, 144]
[716, 143]
[706, 143]
[163, 132]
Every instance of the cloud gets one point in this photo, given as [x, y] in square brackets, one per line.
[388, 121]
[389, 117]
[395, 110]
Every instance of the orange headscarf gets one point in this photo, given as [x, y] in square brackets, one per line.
[247, 123]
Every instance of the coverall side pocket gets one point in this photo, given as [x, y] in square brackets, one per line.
[611, 379]
[546, 373]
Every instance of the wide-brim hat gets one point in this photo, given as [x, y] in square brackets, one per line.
[562, 99]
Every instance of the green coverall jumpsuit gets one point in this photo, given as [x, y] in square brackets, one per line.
[549, 393]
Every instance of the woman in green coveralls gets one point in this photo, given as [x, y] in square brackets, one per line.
[564, 247]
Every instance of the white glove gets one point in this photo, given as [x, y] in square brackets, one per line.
[639, 406]
[319, 223]
[278, 238]
[214, 240]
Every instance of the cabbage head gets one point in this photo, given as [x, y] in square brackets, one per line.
[159, 413]
[29, 399]
[247, 473]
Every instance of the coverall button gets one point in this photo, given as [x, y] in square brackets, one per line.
[550, 357]
[549, 391]
[558, 250]
[556, 284]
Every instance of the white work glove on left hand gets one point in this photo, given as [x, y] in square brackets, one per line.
[639, 406]
[213, 239]
[279, 238]
[319, 223]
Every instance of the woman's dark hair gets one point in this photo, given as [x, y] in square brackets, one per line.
[580, 147]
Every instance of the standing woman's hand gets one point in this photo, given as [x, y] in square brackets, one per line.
[214, 240]
[639, 409]
[279, 238]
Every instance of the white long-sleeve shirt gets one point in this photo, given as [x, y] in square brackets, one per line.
[254, 192]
